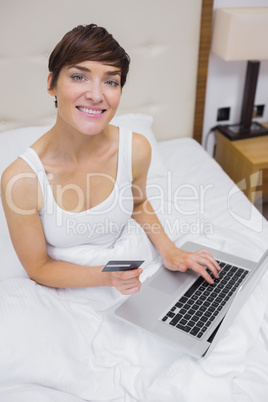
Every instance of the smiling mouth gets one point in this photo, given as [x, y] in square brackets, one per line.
[90, 111]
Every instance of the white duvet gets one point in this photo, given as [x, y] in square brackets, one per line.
[66, 345]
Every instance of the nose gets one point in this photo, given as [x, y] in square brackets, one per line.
[94, 92]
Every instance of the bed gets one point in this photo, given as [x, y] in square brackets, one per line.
[66, 345]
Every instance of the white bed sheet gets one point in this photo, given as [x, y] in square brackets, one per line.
[60, 345]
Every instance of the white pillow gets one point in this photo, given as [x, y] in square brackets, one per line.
[142, 124]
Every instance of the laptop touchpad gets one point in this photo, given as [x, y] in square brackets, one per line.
[168, 281]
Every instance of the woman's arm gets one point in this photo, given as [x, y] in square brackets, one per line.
[174, 258]
[21, 204]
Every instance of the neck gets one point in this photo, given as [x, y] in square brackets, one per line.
[69, 142]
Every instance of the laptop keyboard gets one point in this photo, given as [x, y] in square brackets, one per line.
[196, 310]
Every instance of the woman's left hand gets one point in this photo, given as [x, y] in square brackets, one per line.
[179, 260]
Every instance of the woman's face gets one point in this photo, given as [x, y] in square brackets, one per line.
[88, 95]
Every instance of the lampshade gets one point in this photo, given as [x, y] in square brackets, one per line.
[241, 33]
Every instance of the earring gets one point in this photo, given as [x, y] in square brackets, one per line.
[56, 102]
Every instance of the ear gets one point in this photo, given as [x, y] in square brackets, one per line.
[50, 90]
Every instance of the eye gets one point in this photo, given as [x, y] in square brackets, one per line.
[112, 83]
[78, 77]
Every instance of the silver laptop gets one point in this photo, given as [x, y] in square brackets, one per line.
[183, 309]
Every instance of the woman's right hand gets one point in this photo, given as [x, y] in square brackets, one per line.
[126, 282]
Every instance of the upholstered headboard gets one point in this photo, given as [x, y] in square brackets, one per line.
[161, 37]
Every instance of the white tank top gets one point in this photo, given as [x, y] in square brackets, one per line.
[100, 225]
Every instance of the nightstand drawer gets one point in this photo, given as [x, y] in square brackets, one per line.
[246, 162]
[265, 182]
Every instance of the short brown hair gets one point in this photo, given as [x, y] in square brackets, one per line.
[88, 42]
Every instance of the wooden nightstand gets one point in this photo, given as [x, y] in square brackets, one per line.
[246, 162]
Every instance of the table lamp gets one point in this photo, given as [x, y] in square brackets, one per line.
[242, 34]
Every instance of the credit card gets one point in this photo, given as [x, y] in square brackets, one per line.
[122, 265]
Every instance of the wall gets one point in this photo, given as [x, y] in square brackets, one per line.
[225, 83]
[162, 39]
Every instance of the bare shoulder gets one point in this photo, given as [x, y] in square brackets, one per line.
[141, 155]
[18, 169]
[141, 148]
[19, 185]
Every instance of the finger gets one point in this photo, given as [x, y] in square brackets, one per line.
[180, 267]
[210, 256]
[123, 280]
[131, 290]
[126, 283]
[205, 262]
[195, 266]
[125, 275]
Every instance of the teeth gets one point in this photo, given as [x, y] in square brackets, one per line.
[90, 111]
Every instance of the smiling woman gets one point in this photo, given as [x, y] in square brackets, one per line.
[48, 186]
[88, 89]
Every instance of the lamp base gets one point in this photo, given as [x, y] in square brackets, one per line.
[237, 132]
